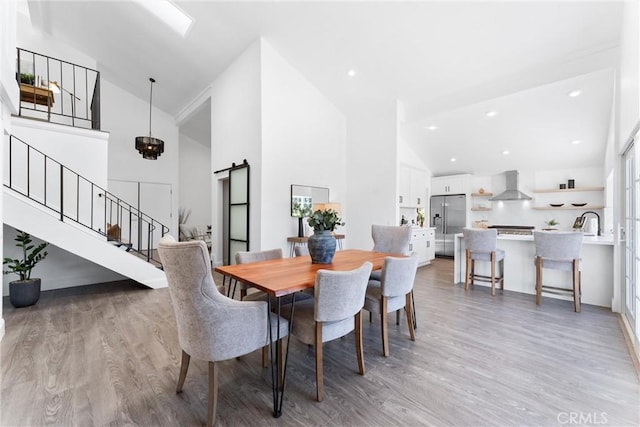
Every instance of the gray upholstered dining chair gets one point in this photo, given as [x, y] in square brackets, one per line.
[390, 239]
[335, 310]
[245, 257]
[211, 326]
[559, 251]
[301, 250]
[481, 245]
[392, 293]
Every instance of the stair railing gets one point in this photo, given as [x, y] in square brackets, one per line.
[58, 91]
[33, 174]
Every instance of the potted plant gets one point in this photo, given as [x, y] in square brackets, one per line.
[322, 244]
[26, 291]
[27, 78]
[551, 224]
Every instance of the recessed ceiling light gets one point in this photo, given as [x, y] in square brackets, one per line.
[351, 72]
[575, 93]
[490, 113]
[432, 127]
[453, 159]
[576, 142]
[170, 14]
[505, 152]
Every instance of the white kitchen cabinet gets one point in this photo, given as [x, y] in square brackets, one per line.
[453, 184]
[404, 195]
[413, 187]
[431, 244]
[423, 243]
[418, 188]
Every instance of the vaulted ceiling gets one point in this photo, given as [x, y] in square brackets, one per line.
[449, 63]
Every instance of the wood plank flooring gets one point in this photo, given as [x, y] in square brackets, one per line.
[107, 355]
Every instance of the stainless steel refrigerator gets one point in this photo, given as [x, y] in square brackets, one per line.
[449, 217]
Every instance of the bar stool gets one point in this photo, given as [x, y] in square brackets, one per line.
[559, 251]
[481, 246]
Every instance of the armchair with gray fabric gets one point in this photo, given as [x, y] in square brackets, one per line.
[211, 326]
[335, 310]
[391, 239]
[301, 251]
[393, 292]
[246, 257]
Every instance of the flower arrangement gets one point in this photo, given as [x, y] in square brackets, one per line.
[327, 219]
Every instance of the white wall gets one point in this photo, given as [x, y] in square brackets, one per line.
[81, 150]
[303, 142]
[195, 180]
[236, 135]
[628, 83]
[36, 41]
[125, 116]
[372, 172]
[8, 91]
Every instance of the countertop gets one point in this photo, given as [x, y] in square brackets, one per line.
[588, 240]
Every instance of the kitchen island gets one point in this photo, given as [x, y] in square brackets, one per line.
[520, 273]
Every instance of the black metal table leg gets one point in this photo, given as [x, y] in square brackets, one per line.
[276, 362]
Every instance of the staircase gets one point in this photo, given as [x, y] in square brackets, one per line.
[49, 200]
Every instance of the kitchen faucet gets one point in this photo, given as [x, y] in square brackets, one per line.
[598, 216]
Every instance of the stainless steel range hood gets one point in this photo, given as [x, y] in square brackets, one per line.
[512, 192]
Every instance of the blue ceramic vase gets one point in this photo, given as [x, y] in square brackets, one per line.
[322, 247]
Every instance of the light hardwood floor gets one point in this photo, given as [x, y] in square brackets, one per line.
[108, 355]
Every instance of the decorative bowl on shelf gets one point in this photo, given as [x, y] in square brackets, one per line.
[578, 204]
[556, 205]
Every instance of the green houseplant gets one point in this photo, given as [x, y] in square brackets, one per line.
[27, 78]
[551, 224]
[322, 220]
[25, 291]
[322, 244]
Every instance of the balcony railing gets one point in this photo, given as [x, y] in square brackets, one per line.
[58, 91]
[72, 197]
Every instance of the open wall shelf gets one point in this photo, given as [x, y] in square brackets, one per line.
[569, 190]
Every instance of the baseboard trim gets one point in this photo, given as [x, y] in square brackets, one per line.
[631, 341]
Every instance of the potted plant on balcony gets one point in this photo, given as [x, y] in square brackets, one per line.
[322, 244]
[26, 291]
[27, 78]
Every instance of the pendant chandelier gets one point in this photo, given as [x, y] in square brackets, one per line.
[148, 146]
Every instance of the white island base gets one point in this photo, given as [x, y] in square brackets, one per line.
[520, 273]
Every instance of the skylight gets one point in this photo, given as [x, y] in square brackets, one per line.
[168, 13]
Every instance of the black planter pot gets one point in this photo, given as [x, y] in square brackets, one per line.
[23, 293]
[322, 247]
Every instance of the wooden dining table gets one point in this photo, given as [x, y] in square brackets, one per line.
[286, 276]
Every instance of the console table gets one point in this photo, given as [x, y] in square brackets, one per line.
[302, 241]
[37, 96]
